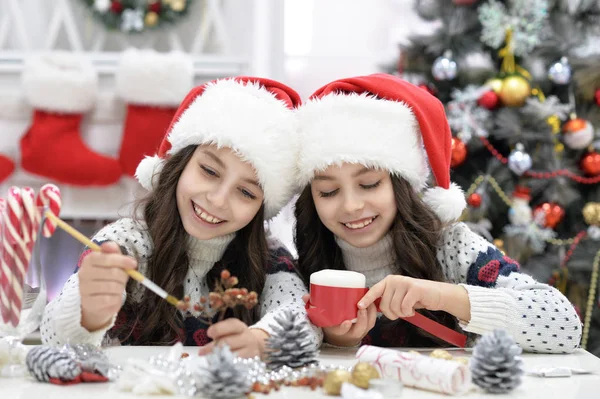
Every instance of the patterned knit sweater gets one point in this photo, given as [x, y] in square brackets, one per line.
[538, 316]
[283, 288]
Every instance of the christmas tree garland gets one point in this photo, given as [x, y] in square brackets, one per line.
[137, 16]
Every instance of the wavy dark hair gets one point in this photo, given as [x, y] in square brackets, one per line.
[152, 321]
[416, 233]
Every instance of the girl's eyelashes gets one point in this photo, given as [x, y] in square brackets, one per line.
[247, 194]
[210, 172]
[329, 193]
[370, 186]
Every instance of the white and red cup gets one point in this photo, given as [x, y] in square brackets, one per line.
[334, 296]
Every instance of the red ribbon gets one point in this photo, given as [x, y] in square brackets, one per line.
[330, 306]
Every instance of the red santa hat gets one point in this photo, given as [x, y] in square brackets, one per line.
[253, 116]
[383, 122]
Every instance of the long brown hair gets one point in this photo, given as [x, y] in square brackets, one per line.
[154, 321]
[416, 233]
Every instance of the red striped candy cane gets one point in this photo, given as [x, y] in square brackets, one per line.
[30, 220]
[5, 274]
[14, 256]
[49, 196]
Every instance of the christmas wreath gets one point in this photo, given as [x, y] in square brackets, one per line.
[136, 16]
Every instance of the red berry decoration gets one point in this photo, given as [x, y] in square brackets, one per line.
[116, 7]
[590, 163]
[154, 7]
[489, 100]
[553, 214]
[459, 152]
[474, 200]
[597, 97]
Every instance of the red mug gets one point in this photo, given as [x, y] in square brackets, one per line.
[334, 296]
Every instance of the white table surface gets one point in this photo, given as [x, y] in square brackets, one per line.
[580, 387]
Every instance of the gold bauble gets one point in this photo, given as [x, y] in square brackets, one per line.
[362, 373]
[515, 90]
[441, 354]
[591, 213]
[334, 380]
[495, 84]
[151, 19]
[177, 5]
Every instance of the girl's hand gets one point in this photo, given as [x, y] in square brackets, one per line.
[102, 280]
[401, 295]
[243, 341]
[348, 333]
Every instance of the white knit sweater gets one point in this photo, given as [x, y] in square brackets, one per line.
[62, 317]
[538, 316]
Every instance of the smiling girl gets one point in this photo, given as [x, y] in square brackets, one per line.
[368, 145]
[225, 165]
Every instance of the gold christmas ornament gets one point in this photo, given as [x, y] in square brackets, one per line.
[362, 373]
[177, 5]
[441, 354]
[515, 90]
[591, 213]
[334, 380]
[151, 19]
[495, 84]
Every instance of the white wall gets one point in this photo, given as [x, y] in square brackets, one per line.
[331, 39]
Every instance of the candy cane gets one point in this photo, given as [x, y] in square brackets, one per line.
[30, 221]
[49, 196]
[5, 273]
[14, 257]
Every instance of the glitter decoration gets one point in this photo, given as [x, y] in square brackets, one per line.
[526, 18]
[464, 116]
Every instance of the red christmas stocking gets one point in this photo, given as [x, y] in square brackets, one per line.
[6, 167]
[61, 87]
[153, 85]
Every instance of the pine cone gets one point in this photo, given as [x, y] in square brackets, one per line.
[224, 378]
[496, 365]
[290, 343]
[44, 362]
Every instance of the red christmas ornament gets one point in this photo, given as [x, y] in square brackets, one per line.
[590, 163]
[553, 214]
[474, 200]
[459, 152]
[578, 133]
[154, 7]
[597, 97]
[489, 100]
[116, 7]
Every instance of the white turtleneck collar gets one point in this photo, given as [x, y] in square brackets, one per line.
[375, 262]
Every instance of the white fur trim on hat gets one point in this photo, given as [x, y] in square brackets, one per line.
[147, 77]
[148, 171]
[448, 204]
[60, 81]
[337, 128]
[252, 121]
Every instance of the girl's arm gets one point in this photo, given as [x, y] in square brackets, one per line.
[61, 322]
[283, 290]
[538, 316]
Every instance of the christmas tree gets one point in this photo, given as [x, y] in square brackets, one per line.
[520, 80]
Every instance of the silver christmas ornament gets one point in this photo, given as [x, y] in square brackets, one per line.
[519, 161]
[444, 67]
[560, 72]
[427, 9]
